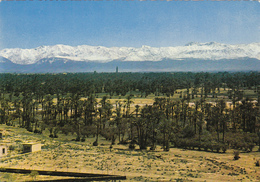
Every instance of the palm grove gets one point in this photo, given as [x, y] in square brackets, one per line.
[204, 111]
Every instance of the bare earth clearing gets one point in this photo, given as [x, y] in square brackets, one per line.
[62, 154]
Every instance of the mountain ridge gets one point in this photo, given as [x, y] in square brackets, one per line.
[101, 54]
[59, 65]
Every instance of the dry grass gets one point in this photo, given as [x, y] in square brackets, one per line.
[176, 165]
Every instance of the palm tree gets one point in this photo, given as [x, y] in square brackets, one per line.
[200, 124]
[4, 110]
[128, 102]
[143, 125]
[90, 110]
[118, 118]
[166, 127]
[184, 107]
[27, 102]
[17, 106]
[195, 116]
[177, 112]
[98, 124]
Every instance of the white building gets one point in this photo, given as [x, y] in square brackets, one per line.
[31, 147]
[3, 150]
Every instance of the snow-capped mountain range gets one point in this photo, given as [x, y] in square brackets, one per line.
[85, 53]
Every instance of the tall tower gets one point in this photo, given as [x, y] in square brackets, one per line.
[117, 69]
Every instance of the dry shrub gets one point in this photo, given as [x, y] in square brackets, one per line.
[236, 155]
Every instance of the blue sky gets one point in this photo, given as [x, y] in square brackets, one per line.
[31, 24]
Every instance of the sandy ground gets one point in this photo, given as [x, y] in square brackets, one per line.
[62, 154]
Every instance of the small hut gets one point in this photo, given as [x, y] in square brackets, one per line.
[3, 150]
[31, 147]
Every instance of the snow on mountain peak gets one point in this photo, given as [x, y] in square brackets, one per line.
[192, 44]
[204, 44]
[210, 50]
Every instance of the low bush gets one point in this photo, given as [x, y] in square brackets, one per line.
[77, 139]
[236, 155]
[241, 141]
[95, 143]
[11, 147]
[131, 146]
[224, 148]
